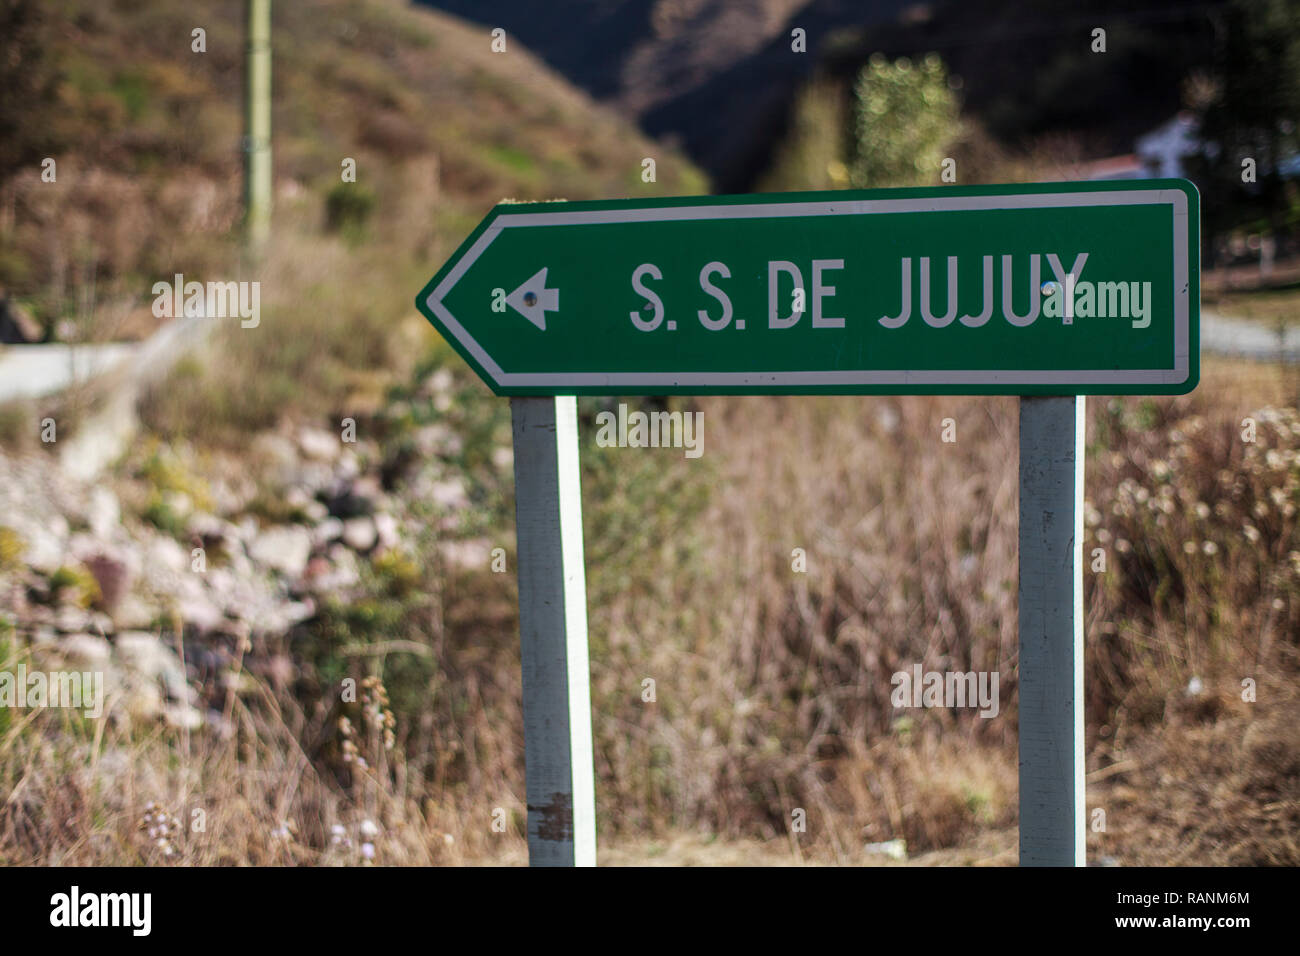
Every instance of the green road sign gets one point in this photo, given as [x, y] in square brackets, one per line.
[1050, 288]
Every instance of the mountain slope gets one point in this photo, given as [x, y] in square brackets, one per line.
[715, 75]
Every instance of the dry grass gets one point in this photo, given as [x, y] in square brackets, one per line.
[82, 793]
[773, 686]
[1217, 784]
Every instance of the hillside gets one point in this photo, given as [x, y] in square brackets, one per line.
[716, 76]
[149, 173]
[719, 76]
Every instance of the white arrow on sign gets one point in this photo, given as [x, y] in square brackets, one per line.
[533, 300]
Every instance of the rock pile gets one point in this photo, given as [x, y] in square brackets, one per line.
[86, 584]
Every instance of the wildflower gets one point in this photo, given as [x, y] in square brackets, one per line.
[1251, 533]
[368, 829]
[1202, 510]
[368, 851]
[1209, 547]
[1189, 547]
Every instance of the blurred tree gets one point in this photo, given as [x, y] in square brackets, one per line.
[811, 156]
[28, 86]
[906, 120]
[1250, 109]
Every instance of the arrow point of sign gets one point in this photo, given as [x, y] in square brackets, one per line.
[533, 300]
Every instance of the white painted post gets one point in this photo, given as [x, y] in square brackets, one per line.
[559, 784]
[1052, 813]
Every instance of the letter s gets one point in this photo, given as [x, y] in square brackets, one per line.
[706, 285]
[638, 286]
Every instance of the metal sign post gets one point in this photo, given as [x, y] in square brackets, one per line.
[1052, 814]
[560, 779]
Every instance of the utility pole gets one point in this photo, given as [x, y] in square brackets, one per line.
[257, 125]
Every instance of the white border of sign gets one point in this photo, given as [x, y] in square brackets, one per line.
[1144, 197]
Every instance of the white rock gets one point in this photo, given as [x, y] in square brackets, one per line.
[180, 504]
[359, 534]
[70, 619]
[103, 512]
[147, 656]
[166, 554]
[439, 381]
[284, 616]
[894, 849]
[349, 465]
[437, 440]
[297, 497]
[319, 444]
[206, 525]
[45, 548]
[386, 528]
[133, 613]
[343, 572]
[473, 554]
[86, 649]
[449, 494]
[275, 449]
[284, 549]
[326, 531]
[201, 614]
